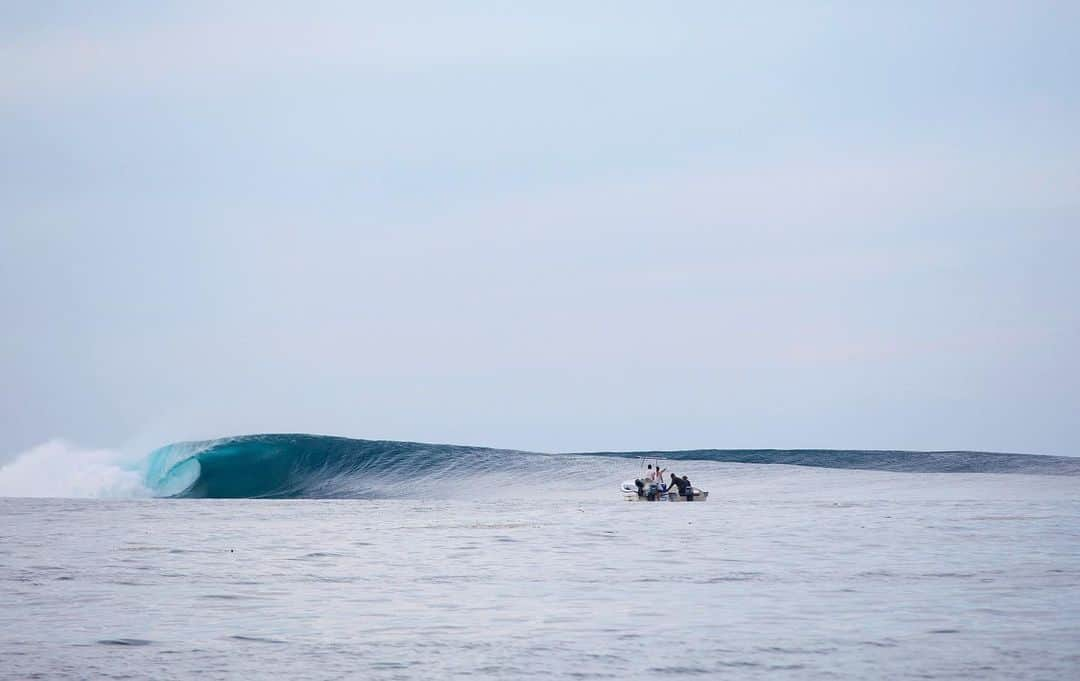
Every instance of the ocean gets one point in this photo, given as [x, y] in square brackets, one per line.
[295, 556]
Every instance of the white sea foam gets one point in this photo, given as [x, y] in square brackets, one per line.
[58, 468]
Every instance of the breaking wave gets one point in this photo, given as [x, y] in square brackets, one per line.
[289, 466]
[315, 466]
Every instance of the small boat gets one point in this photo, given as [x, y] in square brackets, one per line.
[643, 489]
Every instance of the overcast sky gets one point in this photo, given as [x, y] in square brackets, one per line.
[549, 225]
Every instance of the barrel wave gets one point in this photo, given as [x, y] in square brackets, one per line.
[316, 466]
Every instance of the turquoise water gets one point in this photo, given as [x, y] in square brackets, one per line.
[313, 466]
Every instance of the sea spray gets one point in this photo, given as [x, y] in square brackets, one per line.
[58, 468]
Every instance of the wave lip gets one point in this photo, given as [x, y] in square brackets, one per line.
[315, 466]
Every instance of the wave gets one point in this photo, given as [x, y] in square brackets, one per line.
[899, 461]
[313, 466]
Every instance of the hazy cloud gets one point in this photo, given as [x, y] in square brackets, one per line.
[549, 226]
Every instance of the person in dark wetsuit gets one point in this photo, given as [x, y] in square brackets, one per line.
[685, 490]
[689, 488]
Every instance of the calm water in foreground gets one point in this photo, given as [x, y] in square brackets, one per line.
[786, 573]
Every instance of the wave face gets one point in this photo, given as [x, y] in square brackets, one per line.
[314, 466]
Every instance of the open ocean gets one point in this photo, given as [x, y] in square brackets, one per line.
[390, 560]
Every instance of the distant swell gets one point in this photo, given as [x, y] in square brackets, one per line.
[312, 466]
[880, 460]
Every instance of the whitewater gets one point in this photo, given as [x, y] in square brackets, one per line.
[318, 557]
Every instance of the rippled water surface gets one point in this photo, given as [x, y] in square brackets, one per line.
[786, 573]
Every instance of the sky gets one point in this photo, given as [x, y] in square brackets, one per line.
[556, 226]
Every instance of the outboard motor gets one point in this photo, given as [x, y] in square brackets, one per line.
[651, 491]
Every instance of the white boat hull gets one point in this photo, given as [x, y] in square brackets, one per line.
[630, 493]
[699, 495]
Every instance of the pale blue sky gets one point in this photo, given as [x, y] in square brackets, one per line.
[557, 226]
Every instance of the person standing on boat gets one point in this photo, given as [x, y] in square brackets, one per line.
[657, 474]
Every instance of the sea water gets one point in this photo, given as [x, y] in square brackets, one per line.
[785, 572]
